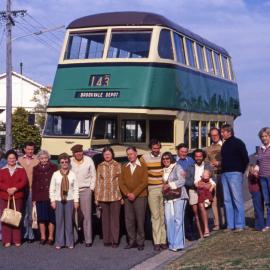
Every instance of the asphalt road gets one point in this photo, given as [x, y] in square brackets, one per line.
[37, 257]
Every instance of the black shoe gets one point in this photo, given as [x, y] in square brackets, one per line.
[42, 242]
[163, 246]
[130, 246]
[107, 244]
[88, 244]
[114, 245]
[156, 247]
[30, 241]
[50, 242]
[140, 248]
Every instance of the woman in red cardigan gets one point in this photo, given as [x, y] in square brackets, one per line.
[13, 180]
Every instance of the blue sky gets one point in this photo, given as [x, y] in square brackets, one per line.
[242, 27]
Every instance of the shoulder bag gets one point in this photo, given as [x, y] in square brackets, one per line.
[11, 216]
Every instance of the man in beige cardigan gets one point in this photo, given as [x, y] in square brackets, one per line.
[85, 171]
[133, 184]
[28, 161]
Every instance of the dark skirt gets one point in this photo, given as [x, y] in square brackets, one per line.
[45, 213]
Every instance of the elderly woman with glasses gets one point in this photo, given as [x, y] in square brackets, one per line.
[64, 196]
[42, 174]
[175, 199]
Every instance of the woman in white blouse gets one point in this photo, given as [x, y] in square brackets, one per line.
[175, 202]
[64, 196]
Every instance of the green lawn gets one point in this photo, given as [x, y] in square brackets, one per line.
[245, 250]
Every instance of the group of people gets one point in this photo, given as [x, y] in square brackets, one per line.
[179, 191]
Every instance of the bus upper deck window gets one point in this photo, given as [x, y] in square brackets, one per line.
[210, 61]
[165, 45]
[179, 48]
[201, 57]
[231, 70]
[217, 64]
[190, 52]
[129, 44]
[85, 46]
[225, 67]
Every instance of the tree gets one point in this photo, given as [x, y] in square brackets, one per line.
[22, 131]
[41, 97]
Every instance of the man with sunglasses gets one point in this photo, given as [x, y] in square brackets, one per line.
[85, 171]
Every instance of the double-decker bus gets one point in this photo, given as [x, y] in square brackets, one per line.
[126, 77]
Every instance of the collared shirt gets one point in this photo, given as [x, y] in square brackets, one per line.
[219, 143]
[28, 163]
[158, 156]
[198, 172]
[11, 169]
[185, 163]
[134, 165]
[265, 147]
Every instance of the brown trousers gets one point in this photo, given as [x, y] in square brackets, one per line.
[134, 219]
[110, 221]
[218, 204]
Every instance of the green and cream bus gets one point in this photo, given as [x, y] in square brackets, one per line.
[126, 77]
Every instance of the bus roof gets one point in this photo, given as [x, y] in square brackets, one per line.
[129, 18]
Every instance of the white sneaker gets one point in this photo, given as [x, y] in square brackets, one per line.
[266, 229]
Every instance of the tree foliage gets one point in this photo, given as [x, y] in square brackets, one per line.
[22, 131]
[41, 98]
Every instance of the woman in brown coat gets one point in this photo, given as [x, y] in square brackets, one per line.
[108, 196]
[42, 174]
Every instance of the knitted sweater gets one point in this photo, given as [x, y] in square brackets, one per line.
[155, 171]
[264, 161]
[234, 156]
[85, 172]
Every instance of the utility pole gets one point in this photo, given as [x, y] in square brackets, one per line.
[8, 17]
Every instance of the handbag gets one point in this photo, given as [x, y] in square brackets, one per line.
[78, 219]
[11, 216]
[34, 218]
[171, 194]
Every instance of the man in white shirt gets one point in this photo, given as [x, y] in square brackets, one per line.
[85, 171]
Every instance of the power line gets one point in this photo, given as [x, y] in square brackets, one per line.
[35, 20]
[26, 23]
[44, 42]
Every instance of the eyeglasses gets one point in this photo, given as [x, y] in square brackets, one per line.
[64, 162]
[166, 158]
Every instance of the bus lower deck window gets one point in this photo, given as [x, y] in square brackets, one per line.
[133, 130]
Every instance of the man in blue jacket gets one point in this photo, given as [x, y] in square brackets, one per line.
[234, 161]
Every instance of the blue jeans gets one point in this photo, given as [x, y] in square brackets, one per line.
[258, 210]
[265, 184]
[232, 183]
[174, 215]
[27, 221]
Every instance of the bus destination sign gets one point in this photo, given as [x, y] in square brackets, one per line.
[98, 94]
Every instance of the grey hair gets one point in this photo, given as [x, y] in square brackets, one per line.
[43, 152]
[264, 130]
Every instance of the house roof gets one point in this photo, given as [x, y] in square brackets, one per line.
[3, 76]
